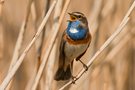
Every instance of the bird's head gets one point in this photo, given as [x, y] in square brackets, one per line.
[78, 26]
[74, 16]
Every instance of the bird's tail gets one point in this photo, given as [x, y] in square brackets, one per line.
[62, 74]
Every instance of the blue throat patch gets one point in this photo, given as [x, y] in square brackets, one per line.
[75, 32]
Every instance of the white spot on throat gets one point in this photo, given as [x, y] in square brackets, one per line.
[73, 30]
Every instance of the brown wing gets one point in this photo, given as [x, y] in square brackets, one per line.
[61, 50]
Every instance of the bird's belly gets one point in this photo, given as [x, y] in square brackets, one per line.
[73, 51]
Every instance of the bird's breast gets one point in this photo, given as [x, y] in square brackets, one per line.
[72, 51]
[76, 33]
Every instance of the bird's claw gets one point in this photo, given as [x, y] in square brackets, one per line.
[73, 79]
[85, 67]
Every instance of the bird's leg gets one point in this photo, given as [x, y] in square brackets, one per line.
[72, 76]
[84, 65]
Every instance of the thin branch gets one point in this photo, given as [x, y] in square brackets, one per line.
[16, 51]
[121, 43]
[93, 17]
[112, 37]
[20, 37]
[96, 55]
[17, 47]
[42, 43]
[50, 42]
[19, 40]
[20, 60]
[52, 58]
[118, 47]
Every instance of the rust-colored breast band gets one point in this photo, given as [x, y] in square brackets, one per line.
[76, 42]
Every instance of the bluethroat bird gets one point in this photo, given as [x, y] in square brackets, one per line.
[74, 43]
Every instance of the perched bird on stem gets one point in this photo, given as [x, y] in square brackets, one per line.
[74, 43]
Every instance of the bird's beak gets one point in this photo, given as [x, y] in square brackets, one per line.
[72, 17]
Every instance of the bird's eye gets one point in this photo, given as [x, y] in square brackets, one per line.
[79, 16]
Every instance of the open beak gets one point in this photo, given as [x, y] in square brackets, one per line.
[72, 17]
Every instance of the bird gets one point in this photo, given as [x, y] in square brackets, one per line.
[74, 43]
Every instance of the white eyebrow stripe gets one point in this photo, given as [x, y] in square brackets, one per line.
[76, 13]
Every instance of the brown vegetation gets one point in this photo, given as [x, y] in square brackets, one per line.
[29, 48]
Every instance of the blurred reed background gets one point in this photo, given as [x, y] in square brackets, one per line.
[114, 69]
